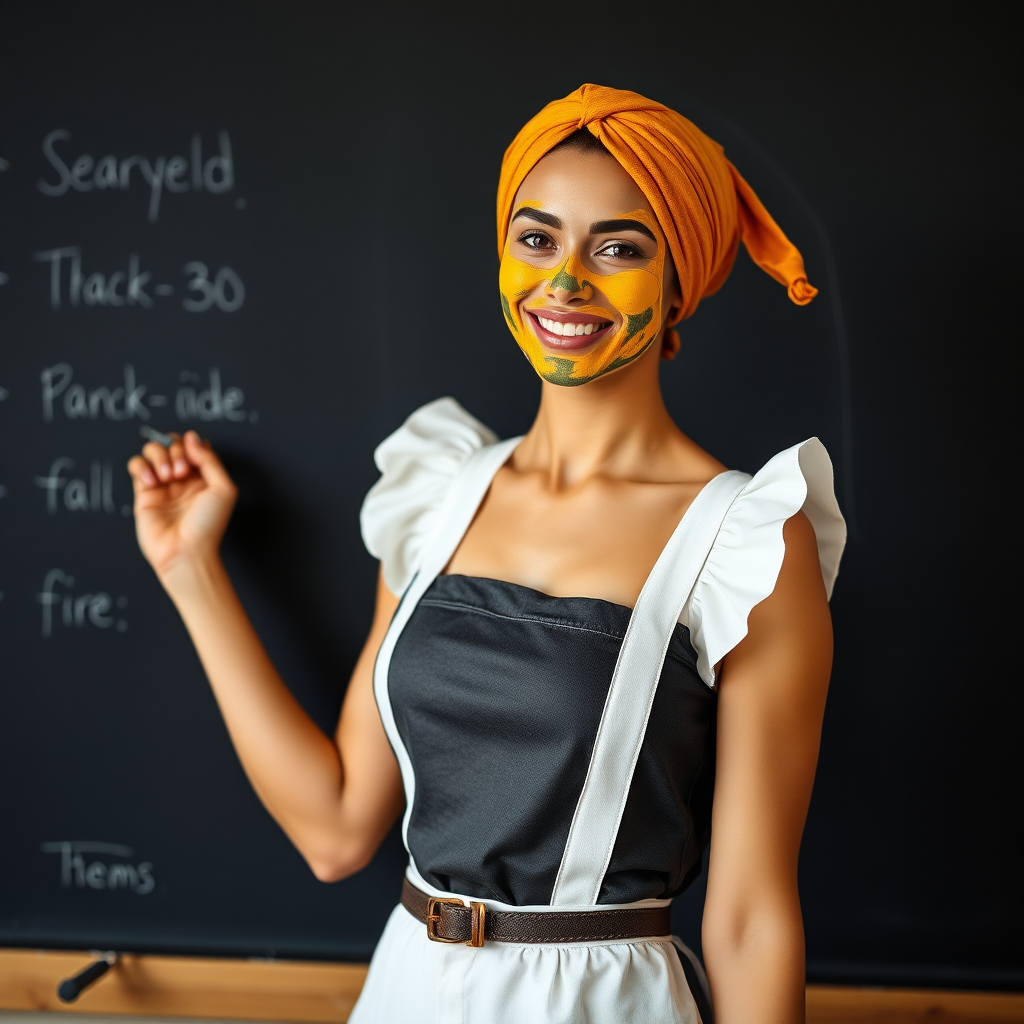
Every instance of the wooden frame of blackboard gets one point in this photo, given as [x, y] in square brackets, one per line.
[324, 993]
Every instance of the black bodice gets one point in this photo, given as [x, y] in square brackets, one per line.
[497, 692]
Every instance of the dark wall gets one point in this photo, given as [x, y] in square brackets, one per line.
[357, 213]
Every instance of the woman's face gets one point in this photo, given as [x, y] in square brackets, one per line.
[585, 278]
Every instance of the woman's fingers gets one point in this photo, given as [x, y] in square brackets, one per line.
[159, 458]
[168, 463]
[141, 472]
[202, 456]
[176, 459]
[159, 465]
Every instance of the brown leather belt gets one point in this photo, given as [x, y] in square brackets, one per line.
[450, 920]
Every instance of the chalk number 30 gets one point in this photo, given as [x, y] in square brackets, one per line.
[225, 291]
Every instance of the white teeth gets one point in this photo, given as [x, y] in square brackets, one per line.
[569, 330]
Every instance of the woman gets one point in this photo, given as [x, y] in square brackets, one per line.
[598, 625]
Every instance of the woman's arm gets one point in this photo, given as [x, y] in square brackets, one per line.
[770, 708]
[335, 799]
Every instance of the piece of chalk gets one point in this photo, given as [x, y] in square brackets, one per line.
[71, 988]
[155, 435]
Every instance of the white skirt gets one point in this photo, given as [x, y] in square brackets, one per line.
[415, 981]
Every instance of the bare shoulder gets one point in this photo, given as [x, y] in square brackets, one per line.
[788, 645]
[800, 587]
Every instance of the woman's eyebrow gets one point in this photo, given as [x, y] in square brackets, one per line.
[538, 215]
[611, 227]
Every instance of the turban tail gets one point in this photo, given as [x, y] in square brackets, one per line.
[701, 201]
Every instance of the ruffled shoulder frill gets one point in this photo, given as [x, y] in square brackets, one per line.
[417, 463]
[743, 565]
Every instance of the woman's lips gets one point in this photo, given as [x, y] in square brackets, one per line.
[577, 330]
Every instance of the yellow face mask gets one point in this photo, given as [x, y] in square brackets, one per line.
[574, 324]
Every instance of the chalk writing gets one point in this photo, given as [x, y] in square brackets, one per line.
[122, 402]
[92, 492]
[191, 402]
[117, 289]
[128, 288]
[176, 174]
[77, 873]
[226, 291]
[62, 607]
[196, 399]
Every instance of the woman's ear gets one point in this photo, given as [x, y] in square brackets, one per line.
[670, 344]
[674, 294]
[674, 306]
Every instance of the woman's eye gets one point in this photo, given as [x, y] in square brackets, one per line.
[621, 250]
[536, 240]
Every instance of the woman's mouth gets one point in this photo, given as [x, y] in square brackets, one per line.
[568, 330]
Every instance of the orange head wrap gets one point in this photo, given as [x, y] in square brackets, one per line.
[701, 201]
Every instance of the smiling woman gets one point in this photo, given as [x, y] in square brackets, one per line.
[590, 642]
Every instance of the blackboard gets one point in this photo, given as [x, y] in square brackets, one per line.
[273, 223]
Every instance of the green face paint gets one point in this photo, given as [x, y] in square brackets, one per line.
[638, 322]
[508, 313]
[567, 281]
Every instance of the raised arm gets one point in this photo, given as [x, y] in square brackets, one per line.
[335, 798]
[771, 702]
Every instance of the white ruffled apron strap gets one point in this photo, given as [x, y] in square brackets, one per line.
[461, 502]
[627, 708]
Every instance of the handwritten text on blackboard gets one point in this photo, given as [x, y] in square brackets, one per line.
[177, 173]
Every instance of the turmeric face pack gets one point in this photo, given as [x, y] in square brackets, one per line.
[579, 310]
[703, 205]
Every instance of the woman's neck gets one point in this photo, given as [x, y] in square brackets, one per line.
[616, 426]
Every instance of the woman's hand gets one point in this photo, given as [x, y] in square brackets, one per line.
[183, 501]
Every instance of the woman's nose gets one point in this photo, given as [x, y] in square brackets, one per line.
[568, 283]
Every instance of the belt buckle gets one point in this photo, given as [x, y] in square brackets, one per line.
[478, 920]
